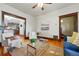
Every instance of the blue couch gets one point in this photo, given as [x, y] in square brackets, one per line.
[70, 49]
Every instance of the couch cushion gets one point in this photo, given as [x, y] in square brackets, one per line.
[65, 38]
[76, 42]
[73, 38]
[68, 52]
[71, 46]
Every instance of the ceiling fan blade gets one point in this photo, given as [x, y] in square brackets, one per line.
[34, 6]
[42, 8]
[48, 3]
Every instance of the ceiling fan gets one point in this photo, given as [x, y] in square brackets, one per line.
[41, 5]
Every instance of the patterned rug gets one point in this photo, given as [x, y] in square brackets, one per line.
[47, 50]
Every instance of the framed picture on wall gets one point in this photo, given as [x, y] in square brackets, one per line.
[44, 26]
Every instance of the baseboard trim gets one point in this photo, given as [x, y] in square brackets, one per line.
[26, 37]
[44, 37]
[40, 37]
[0, 44]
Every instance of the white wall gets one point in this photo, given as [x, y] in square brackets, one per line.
[29, 18]
[52, 18]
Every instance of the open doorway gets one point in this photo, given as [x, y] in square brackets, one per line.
[68, 24]
[14, 24]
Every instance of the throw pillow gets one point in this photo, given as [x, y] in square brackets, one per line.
[76, 42]
[73, 38]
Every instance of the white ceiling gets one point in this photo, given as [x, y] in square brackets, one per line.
[27, 7]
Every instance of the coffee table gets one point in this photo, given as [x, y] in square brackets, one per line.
[41, 48]
[36, 48]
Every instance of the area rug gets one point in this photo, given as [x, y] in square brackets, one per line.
[44, 50]
[50, 51]
[54, 51]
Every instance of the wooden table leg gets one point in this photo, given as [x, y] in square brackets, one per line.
[32, 48]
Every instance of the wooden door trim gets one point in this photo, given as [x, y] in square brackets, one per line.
[67, 15]
[13, 15]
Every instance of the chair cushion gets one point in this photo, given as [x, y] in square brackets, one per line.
[32, 35]
[5, 43]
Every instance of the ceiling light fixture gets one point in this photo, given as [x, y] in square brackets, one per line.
[61, 21]
[41, 5]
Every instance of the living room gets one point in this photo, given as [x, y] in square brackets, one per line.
[44, 22]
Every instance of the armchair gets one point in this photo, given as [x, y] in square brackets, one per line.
[32, 36]
[5, 42]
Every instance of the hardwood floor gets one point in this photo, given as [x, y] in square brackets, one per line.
[56, 42]
[49, 41]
